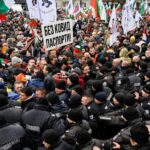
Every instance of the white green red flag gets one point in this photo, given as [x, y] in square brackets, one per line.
[5, 5]
[80, 14]
[102, 10]
[108, 9]
[95, 8]
[118, 8]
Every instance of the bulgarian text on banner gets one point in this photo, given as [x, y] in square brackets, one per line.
[57, 34]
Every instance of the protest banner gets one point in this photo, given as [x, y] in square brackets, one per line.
[57, 34]
[45, 11]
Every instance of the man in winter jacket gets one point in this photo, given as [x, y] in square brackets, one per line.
[12, 114]
[11, 136]
[52, 141]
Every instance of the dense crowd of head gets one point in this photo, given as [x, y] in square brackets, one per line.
[85, 95]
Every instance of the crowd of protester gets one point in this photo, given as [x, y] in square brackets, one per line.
[82, 96]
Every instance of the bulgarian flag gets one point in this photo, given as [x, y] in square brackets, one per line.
[118, 8]
[95, 8]
[108, 9]
[81, 14]
[32, 23]
[5, 5]
[89, 12]
[3, 61]
[2, 17]
[76, 9]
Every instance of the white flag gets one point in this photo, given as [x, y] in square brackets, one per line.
[131, 20]
[146, 5]
[69, 7]
[45, 11]
[48, 11]
[137, 18]
[113, 26]
[128, 22]
[102, 11]
[33, 9]
[113, 18]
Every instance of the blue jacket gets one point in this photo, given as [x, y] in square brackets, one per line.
[36, 83]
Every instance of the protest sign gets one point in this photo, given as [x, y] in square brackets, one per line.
[45, 11]
[57, 34]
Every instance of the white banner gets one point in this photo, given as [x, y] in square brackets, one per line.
[44, 10]
[48, 11]
[57, 34]
[33, 9]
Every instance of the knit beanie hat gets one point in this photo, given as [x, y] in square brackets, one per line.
[3, 100]
[61, 85]
[51, 136]
[143, 65]
[52, 98]
[146, 88]
[15, 60]
[74, 79]
[75, 115]
[101, 96]
[97, 85]
[75, 101]
[139, 133]
[77, 70]
[130, 114]
[77, 49]
[119, 97]
[147, 74]
[78, 89]
[21, 77]
[83, 137]
[129, 99]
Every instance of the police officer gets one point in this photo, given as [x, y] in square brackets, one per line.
[11, 136]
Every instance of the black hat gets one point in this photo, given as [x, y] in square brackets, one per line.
[129, 99]
[143, 65]
[97, 85]
[130, 114]
[119, 97]
[75, 101]
[78, 89]
[74, 79]
[139, 133]
[75, 115]
[101, 96]
[83, 137]
[147, 74]
[51, 136]
[3, 100]
[146, 88]
[52, 98]
[124, 80]
[77, 70]
[61, 85]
